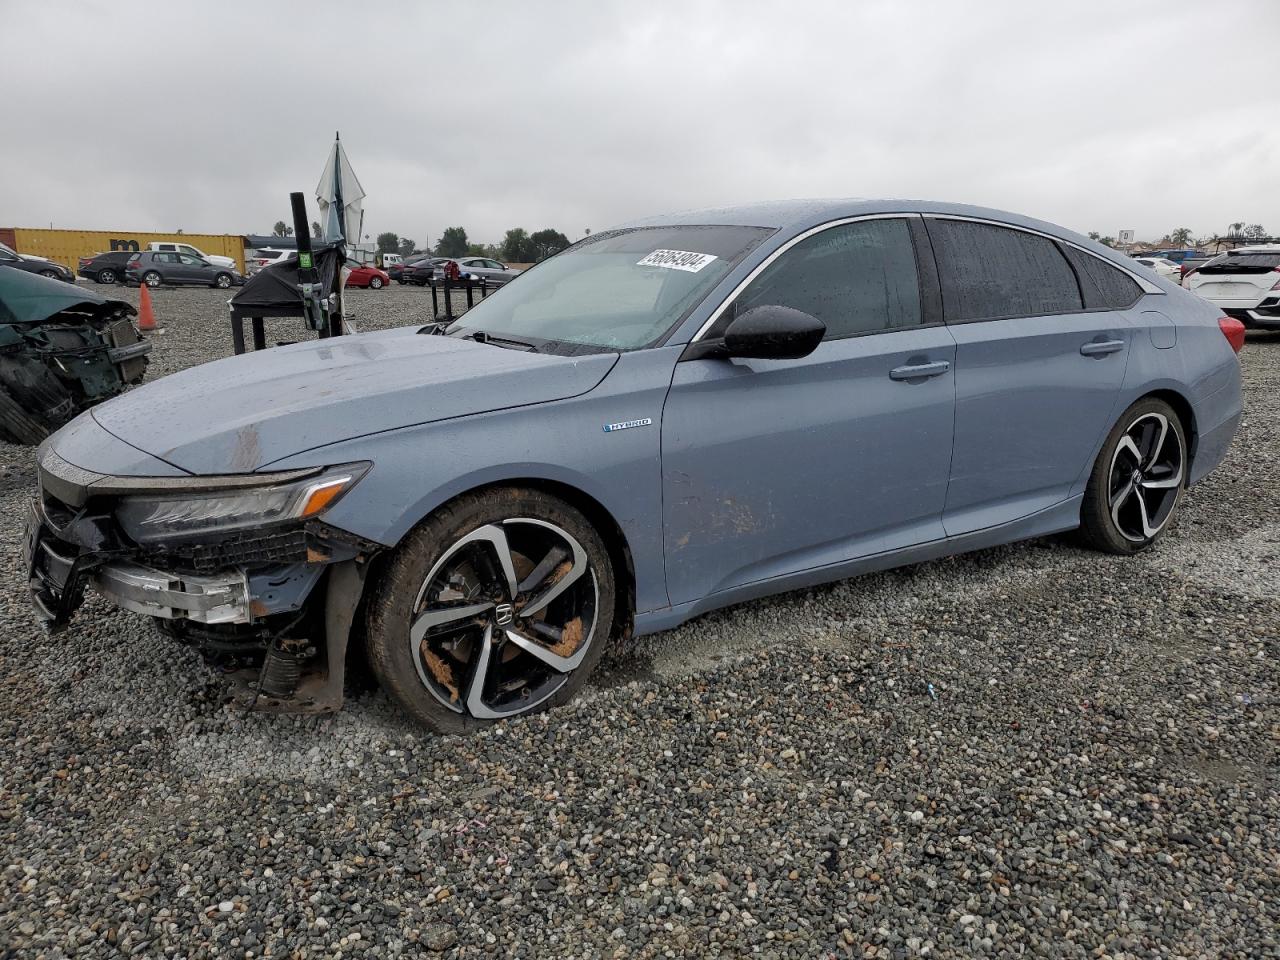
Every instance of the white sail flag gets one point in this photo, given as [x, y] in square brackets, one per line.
[341, 198]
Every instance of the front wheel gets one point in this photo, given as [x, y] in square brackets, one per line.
[222, 281]
[51, 274]
[1137, 481]
[498, 605]
[376, 283]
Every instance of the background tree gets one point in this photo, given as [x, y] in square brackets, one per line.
[1180, 237]
[281, 230]
[1107, 241]
[1094, 235]
[547, 242]
[388, 243]
[453, 243]
[407, 246]
[515, 246]
[315, 229]
[1254, 231]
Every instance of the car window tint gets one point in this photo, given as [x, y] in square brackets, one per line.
[988, 272]
[191, 261]
[1105, 287]
[856, 278]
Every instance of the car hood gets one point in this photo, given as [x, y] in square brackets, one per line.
[240, 414]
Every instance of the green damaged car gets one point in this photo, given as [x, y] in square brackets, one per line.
[62, 349]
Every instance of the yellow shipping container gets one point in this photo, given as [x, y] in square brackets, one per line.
[68, 246]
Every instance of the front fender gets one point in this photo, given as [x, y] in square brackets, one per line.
[416, 469]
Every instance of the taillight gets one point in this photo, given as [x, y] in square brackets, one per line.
[85, 261]
[1233, 330]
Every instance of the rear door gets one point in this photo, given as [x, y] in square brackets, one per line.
[1039, 366]
[773, 467]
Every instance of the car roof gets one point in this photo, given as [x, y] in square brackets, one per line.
[798, 215]
[1266, 248]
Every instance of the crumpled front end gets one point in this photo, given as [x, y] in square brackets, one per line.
[60, 354]
[241, 567]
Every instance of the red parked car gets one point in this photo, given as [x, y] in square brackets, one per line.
[368, 276]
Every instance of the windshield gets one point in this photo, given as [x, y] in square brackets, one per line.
[620, 290]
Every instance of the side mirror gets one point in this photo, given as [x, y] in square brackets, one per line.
[773, 333]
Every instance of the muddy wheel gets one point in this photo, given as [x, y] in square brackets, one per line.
[498, 605]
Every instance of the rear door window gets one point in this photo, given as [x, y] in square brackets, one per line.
[856, 278]
[1104, 286]
[989, 272]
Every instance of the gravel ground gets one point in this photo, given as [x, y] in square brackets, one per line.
[1029, 751]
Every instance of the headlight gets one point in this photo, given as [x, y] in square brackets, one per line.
[151, 517]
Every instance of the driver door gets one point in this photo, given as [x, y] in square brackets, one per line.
[773, 467]
[193, 269]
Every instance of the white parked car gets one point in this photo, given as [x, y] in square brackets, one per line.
[255, 260]
[188, 249]
[1244, 283]
[1163, 268]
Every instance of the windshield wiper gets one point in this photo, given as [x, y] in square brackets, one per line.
[480, 336]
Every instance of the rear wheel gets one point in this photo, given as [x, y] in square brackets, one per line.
[1137, 481]
[106, 276]
[151, 278]
[498, 605]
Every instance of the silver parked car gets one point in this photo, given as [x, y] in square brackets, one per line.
[482, 268]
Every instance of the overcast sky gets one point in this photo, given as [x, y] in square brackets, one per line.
[1096, 115]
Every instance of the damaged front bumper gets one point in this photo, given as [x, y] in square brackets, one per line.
[271, 609]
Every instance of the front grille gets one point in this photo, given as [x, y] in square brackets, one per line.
[288, 546]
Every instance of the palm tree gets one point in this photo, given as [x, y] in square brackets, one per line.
[1180, 237]
[281, 229]
[1235, 229]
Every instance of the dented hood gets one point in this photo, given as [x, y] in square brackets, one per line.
[242, 413]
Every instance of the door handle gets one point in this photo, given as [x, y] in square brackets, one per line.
[1100, 348]
[920, 371]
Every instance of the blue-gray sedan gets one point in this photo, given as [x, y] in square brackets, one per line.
[666, 418]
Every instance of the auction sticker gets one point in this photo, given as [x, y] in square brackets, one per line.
[676, 260]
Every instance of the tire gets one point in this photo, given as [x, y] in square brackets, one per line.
[106, 276]
[152, 279]
[451, 561]
[51, 274]
[222, 281]
[1137, 481]
[375, 283]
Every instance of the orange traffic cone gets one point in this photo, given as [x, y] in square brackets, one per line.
[146, 319]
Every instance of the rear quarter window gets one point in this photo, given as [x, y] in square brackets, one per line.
[1104, 287]
[988, 272]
